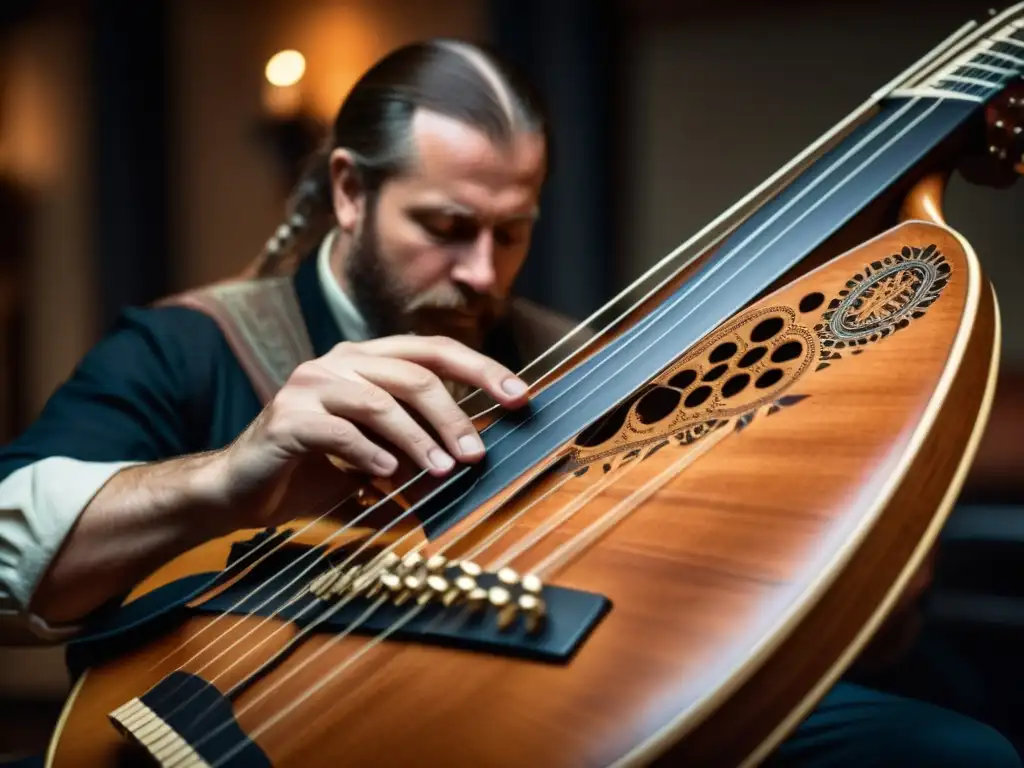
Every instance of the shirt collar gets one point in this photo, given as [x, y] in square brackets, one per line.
[350, 322]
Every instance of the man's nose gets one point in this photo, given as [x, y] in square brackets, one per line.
[475, 266]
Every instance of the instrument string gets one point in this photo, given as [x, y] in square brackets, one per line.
[561, 556]
[326, 679]
[558, 518]
[885, 124]
[240, 562]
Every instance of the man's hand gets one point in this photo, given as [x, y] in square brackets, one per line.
[348, 402]
[344, 404]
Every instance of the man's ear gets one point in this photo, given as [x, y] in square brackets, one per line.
[347, 190]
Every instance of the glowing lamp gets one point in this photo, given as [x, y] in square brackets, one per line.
[283, 73]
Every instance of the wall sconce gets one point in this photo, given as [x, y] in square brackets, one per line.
[287, 126]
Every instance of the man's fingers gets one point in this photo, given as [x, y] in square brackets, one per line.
[369, 405]
[421, 389]
[453, 360]
[360, 383]
[328, 434]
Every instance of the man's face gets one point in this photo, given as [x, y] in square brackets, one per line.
[437, 250]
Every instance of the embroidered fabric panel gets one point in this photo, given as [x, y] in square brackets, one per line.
[262, 322]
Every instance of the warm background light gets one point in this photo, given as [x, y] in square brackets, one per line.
[281, 94]
[285, 68]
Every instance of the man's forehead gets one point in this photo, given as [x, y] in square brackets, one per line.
[457, 161]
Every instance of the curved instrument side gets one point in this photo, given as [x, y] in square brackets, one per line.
[964, 397]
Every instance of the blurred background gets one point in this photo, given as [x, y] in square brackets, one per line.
[147, 146]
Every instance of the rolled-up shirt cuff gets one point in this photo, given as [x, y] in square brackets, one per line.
[39, 504]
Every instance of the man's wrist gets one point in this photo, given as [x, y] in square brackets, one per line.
[206, 480]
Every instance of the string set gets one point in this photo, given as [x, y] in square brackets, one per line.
[563, 554]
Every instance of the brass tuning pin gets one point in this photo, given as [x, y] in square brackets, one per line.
[388, 560]
[392, 582]
[436, 587]
[501, 599]
[476, 599]
[531, 604]
[460, 590]
[413, 584]
[532, 584]
[508, 577]
[411, 563]
[532, 608]
[322, 583]
[372, 577]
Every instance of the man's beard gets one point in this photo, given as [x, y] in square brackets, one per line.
[451, 310]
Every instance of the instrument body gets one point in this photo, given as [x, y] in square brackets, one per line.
[738, 587]
[754, 504]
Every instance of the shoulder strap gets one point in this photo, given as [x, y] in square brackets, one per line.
[262, 323]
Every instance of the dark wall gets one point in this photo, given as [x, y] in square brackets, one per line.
[571, 50]
[131, 150]
[719, 100]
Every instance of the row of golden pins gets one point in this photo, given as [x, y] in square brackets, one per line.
[414, 578]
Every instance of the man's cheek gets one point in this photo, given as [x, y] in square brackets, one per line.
[422, 267]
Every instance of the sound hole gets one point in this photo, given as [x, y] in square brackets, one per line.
[735, 385]
[722, 352]
[752, 357]
[766, 329]
[788, 351]
[683, 379]
[698, 396]
[811, 301]
[656, 405]
[769, 378]
[716, 373]
[606, 427]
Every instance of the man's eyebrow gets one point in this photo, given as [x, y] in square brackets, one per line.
[457, 209]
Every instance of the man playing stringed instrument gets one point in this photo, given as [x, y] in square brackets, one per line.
[408, 234]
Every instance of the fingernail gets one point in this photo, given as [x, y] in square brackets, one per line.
[513, 387]
[440, 459]
[385, 463]
[470, 444]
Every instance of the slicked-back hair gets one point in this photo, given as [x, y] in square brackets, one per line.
[460, 80]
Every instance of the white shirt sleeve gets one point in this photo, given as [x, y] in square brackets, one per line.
[39, 504]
